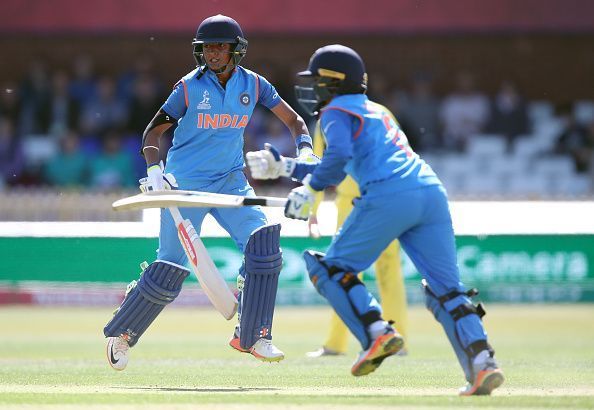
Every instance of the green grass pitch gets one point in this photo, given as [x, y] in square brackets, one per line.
[55, 358]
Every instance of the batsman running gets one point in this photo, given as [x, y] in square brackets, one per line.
[401, 198]
[211, 106]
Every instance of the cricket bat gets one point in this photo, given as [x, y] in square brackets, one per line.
[204, 268]
[189, 199]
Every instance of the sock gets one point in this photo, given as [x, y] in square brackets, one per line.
[481, 357]
[377, 328]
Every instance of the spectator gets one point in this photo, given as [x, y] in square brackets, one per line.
[576, 140]
[113, 168]
[144, 66]
[10, 103]
[63, 110]
[508, 113]
[35, 92]
[69, 167]
[105, 112]
[463, 113]
[418, 115]
[11, 154]
[145, 102]
[83, 86]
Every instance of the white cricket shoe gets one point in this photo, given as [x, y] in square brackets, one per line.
[264, 350]
[117, 352]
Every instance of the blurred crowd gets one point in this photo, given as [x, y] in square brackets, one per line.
[80, 128]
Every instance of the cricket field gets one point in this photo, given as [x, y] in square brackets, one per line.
[55, 358]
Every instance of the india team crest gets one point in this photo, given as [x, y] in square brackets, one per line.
[205, 103]
[244, 98]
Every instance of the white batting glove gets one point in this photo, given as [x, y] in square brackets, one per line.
[306, 156]
[300, 201]
[156, 180]
[269, 163]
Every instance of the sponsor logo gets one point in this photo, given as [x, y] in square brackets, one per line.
[187, 244]
[222, 121]
[205, 103]
[264, 332]
[244, 99]
[111, 357]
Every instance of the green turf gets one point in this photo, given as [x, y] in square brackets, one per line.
[55, 358]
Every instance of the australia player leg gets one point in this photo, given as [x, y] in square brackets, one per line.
[159, 284]
[258, 276]
[431, 247]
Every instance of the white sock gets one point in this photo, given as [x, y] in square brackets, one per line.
[481, 357]
[377, 328]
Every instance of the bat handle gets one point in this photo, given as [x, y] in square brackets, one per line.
[177, 218]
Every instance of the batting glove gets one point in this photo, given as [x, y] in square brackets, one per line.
[300, 201]
[156, 180]
[269, 163]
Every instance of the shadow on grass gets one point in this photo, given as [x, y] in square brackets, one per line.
[199, 390]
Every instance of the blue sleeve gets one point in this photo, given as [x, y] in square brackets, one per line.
[268, 96]
[338, 128]
[175, 105]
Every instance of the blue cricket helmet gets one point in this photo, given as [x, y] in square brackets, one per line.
[220, 29]
[332, 70]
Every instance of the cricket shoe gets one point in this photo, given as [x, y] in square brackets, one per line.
[322, 352]
[384, 346]
[263, 349]
[488, 377]
[117, 352]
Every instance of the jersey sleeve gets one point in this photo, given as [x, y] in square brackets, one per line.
[175, 105]
[267, 95]
[337, 127]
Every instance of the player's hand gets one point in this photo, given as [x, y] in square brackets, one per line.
[313, 228]
[306, 156]
[156, 180]
[269, 164]
[300, 201]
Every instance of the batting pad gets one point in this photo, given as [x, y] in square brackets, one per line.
[263, 263]
[158, 286]
[462, 323]
[349, 298]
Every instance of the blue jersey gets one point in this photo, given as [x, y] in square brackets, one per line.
[364, 141]
[208, 140]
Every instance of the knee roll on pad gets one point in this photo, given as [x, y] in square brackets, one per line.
[346, 294]
[263, 263]
[159, 285]
[461, 320]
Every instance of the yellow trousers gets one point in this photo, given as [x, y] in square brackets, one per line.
[390, 284]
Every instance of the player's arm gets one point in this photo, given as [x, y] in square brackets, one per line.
[295, 124]
[337, 129]
[174, 107]
[268, 97]
[160, 123]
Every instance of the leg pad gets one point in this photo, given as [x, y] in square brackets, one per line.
[346, 294]
[159, 285]
[263, 263]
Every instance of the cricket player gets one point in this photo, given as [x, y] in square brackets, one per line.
[388, 269]
[211, 106]
[401, 198]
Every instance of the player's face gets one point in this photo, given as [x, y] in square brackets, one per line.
[217, 55]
